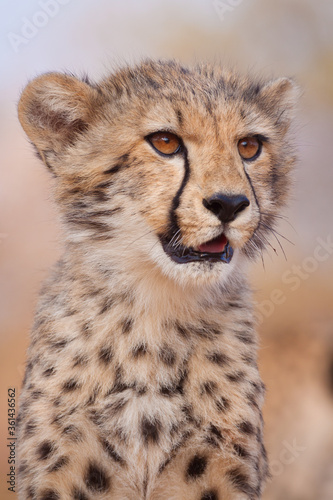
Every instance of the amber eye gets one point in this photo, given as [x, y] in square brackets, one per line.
[249, 148]
[165, 142]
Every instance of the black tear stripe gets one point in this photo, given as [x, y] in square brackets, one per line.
[176, 201]
[253, 190]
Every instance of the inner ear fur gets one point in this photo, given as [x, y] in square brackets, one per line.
[280, 97]
[55, 108]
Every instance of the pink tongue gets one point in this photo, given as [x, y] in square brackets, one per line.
[214, 246]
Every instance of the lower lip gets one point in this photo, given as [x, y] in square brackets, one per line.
[193, 256]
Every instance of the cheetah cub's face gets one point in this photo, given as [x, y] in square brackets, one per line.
[164, 167]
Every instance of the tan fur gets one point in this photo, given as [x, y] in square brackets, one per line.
[142, 380]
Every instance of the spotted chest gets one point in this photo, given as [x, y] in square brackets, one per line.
[149, 388]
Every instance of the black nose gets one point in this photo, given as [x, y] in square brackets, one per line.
[226, 208]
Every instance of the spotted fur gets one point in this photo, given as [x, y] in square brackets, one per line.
[141, 379]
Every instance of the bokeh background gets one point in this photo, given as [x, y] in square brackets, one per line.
[294, 295]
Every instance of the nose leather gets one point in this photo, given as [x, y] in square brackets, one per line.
[226, 207]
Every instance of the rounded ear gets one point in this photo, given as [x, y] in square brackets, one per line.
[280, 97]
[55, 108]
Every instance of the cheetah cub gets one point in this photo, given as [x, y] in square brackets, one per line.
[141, 380]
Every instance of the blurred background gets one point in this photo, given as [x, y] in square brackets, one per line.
[294, 294]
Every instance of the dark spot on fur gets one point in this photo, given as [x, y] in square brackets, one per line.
[181, 381]
[209, 495]
[177, 387]
[150, 430]
[187, 409]
[216, 432]
[30, 428]
[35, 395]
[72, 432]
[236, 377]
[31, 493]
[86, 330]
[252, 399]
[182, 330]
[110, 450]
[57, 419]
[127, 325]
[49, 371]
[107, 304]
[116, 406]
[208, 387]
[196, 467]
[69, 312]
[27, 373]
[152, 83]
[259, 387]
[96, 479]
[71, 385]
[234, 304]
[241, 451]
[206, 330]
[96, 417]
[119, 384]
[22, 468]
[263, 451]
[222, 404]
[167, 356]
[168, 390]
[92, 398]
[251, 92]
[121, 163]
[57, 401]
[139, 350]
[219, 358]
[184, 71]
[84, 221]
[140, 390]
[240, 481]
[245, 337]
[49, 495]
[45, 450]
[112, 170]
[250, 359]
[211, 441]
[59, 464]
[78, 494]
[246, 427]
[59, 344]
[80, 360]
[105, 354]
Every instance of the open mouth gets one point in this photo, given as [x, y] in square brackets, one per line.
[215, 250]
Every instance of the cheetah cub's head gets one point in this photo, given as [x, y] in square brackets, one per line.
[164, 167]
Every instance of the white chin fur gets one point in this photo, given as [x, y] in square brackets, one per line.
[194, 272]
[142, 257]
